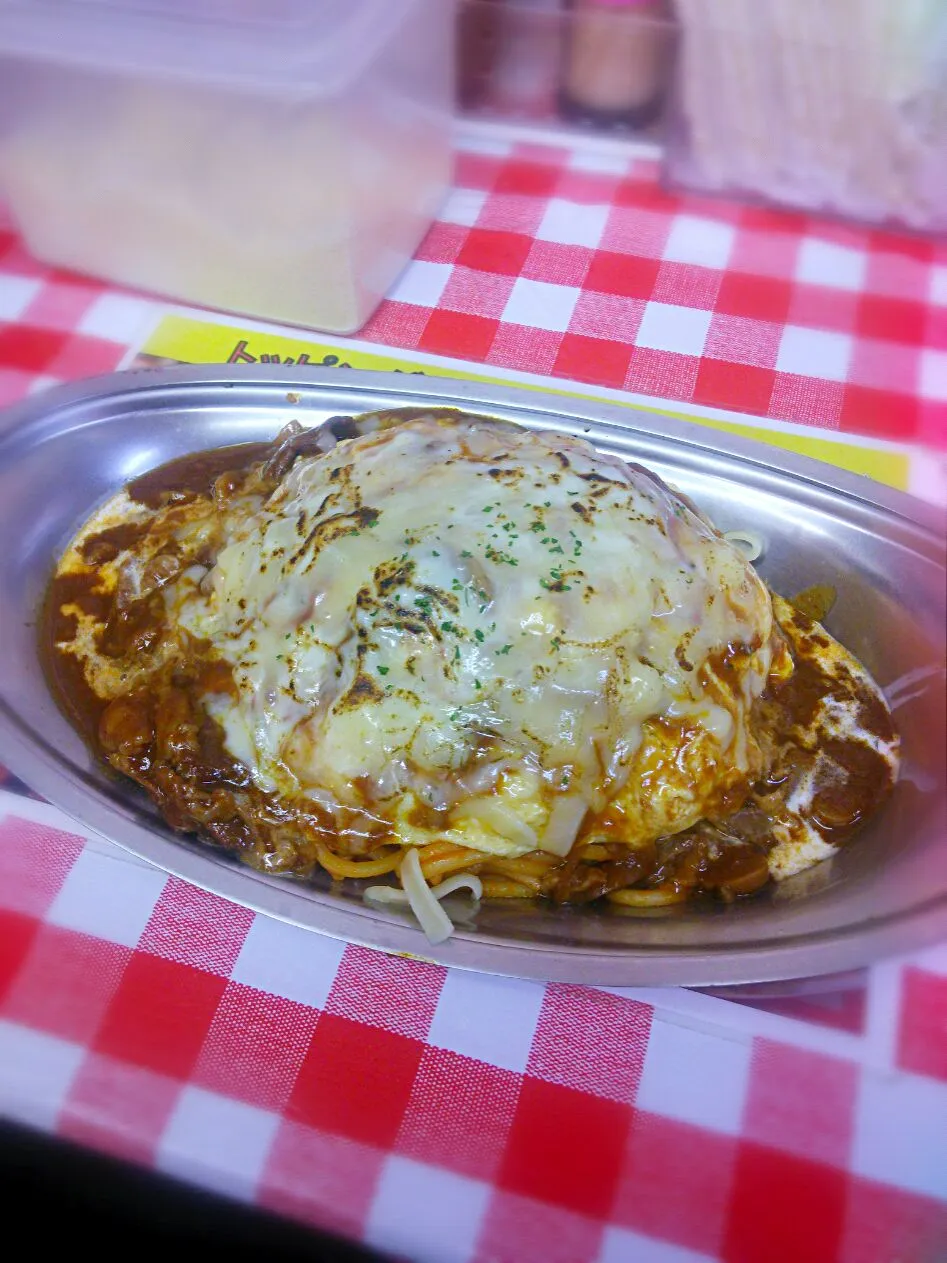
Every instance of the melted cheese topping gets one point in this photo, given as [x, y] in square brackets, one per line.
[485, 620]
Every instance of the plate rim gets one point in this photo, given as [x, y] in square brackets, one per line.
[918, 926]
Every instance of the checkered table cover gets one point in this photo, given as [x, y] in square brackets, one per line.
[436, 1114]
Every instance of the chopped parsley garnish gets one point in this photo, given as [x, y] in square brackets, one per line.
[383, 670]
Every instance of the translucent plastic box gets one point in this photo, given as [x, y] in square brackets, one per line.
[280, 158]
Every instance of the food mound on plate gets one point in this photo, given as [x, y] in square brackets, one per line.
[445, 645]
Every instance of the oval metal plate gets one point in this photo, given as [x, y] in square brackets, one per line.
[66, 451]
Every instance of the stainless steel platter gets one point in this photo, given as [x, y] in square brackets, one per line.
[64, 452]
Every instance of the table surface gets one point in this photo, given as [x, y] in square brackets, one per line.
[441, 1115]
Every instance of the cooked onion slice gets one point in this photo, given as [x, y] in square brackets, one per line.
[501, 818]
[422, 898]
[750, 543]
[566, 816]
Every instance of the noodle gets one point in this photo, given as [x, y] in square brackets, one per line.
[340, 868]
[630, 898]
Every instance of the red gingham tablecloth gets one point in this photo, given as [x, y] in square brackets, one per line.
[441, 1115]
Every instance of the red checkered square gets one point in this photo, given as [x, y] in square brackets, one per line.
[665, 373]
[61, 304]
[634, 232]
[628, 275]
[609, 317]
[196, 928]
[898, 319]
[489, 251]
[935, 329]
[687, 285]
[456, 333]
[880, 414]
[356, 1080]
[783, 1208]
[118, 1108]
[397, 324]
[34, 862]
[327, 1181]
[823, 307]
[801, 1101]
[160, 1015]
[531, 350]
[557, 263]
[475, 293]
[922, 1033]
[255, 1046]
[742, 340]
[889, 1225]
[675, 1182]
[641, 193]
[765, 253]
[65, 983]
[811, 400]
[774, 219]
[519, 1229]
[17, 934]
[15, 258]
[722, 384]
[535, 179]
[512, 212]
[442, 243]
[592, 1041]
[565, 1147]
[399, 995]
[932, 424]
[585, 359]
[29, 347]
[459, 1114]
[754, 297]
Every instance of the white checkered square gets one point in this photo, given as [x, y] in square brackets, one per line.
[541, 305]
[38, 1071]
[216, 1141]
[463, 206]
[421, 283]
[605, 161]
[41, 382]
[932, 381]
[119, 317]
[573, 224]
[814, 353]
[120, 915]
[825, 263]
[900, 1137]
[621, 1246]
[703, 241]
[938, 290]
[426, 1214]
[16, 294]
[288, 961]
[670, 1085]
[489, 1019]
[667, 327]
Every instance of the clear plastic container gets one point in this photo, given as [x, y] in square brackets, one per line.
[832, 107]
[277, 158]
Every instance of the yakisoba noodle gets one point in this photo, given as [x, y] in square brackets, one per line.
[434, 650]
